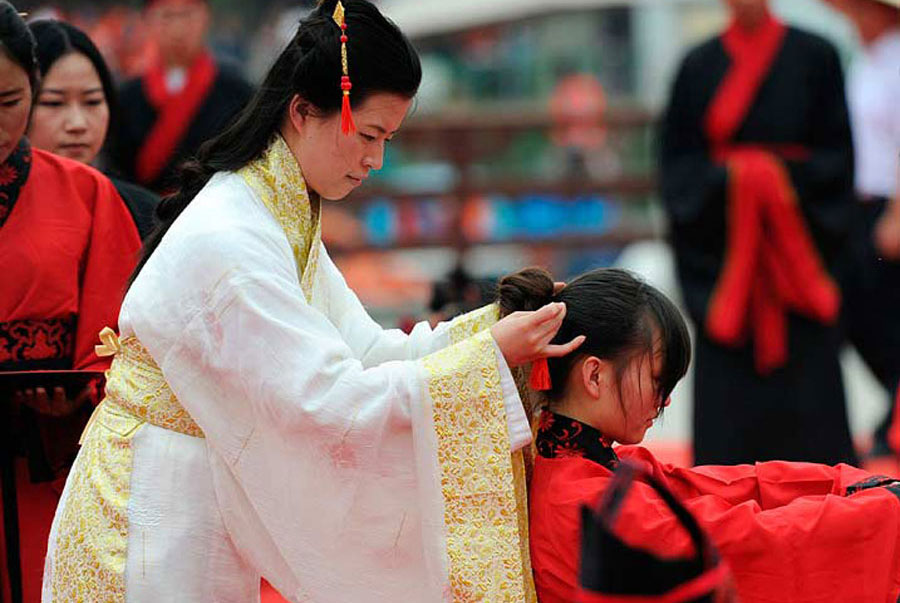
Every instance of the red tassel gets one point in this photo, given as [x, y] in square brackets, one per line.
[347, 125]
[540, 376]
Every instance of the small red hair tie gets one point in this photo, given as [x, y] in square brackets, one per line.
[540, 376]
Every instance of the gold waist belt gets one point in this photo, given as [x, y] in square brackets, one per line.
[137, 392]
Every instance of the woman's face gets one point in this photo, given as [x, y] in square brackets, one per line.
[71, 115]
[15, 104]
[334, 163]
[622, 410]
[748, 11]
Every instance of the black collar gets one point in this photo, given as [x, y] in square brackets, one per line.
[13, 175]
[560, 436]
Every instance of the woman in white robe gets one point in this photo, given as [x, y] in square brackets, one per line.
[258, 422]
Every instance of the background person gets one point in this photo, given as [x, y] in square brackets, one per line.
[183, 99]
[872, 284]
[76, 109]
[757, 180]
[67, 246]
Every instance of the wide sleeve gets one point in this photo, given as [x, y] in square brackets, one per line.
[770, 484]
[692, 185]
[337, 481]
[816, 548]
[824, 178]
[823, 547]
[109, 259]
[371, 343]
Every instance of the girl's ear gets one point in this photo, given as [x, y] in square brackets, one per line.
[592, 376]
[298, 111]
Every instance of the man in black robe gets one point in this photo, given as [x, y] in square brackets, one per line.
[757, 180]
[184, 98]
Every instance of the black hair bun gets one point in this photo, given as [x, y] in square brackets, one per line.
[525, 290]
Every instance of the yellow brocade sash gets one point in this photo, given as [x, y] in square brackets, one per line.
[137, 393]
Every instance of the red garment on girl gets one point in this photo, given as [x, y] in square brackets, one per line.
[790, 532]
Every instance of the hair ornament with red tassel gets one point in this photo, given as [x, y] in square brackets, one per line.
[540, 376]
[347, 125]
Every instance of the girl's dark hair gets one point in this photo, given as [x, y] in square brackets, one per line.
[56, 39]
[17, 43]
[619, 314]
[381, 59]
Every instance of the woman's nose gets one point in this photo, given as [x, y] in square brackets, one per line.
[75, 120]
[375, 159]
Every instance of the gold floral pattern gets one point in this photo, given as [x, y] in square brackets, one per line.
[476, 321]
[135, 385]
[277, 180]
[92, 533]
[92, 530]
[482, 515]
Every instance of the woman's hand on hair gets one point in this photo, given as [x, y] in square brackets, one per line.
[524, 337]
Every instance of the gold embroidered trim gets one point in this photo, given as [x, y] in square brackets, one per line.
[92, 529]
[277, 180]
[481, 511]
[463, 327]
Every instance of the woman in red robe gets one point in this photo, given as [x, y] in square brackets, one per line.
[790, 532]
[67, 246]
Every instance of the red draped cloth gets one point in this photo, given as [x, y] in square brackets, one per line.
[771, 264]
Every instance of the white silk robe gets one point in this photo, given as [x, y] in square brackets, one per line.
[343, 462]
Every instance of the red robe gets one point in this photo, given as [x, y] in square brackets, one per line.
[790, 532]
[67, 247]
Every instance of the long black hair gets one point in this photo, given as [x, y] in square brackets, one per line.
[620, 315]
[56, 39]
[382, 59]
[17, 43]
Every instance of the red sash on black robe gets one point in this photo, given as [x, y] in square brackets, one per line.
[175, 113]
[771, 264]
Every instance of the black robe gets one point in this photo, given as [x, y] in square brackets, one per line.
[798, 411]
[140, 202]
[228, 95]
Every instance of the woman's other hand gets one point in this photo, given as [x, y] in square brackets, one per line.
[524, 337]
[887, 232]
[57, 405]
